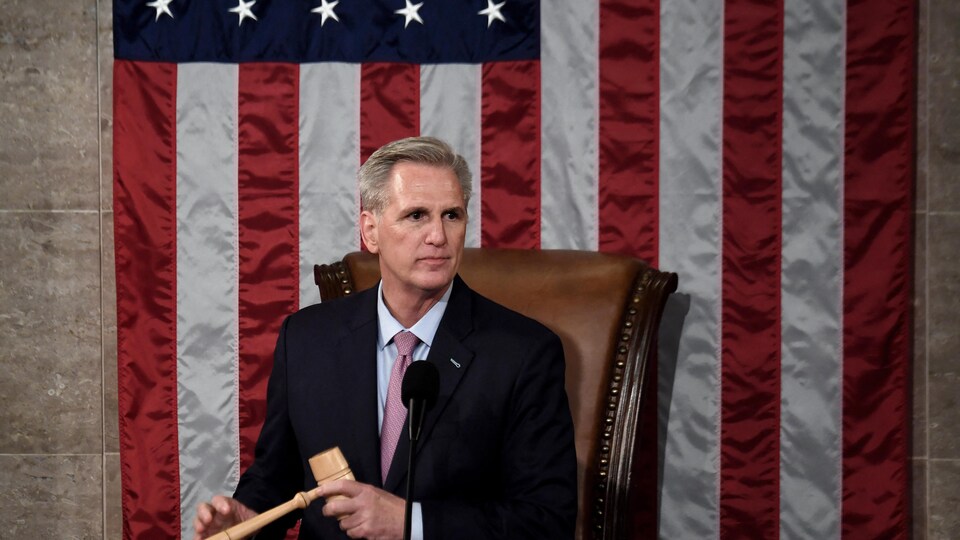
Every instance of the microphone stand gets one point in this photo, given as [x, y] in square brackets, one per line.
[418, 391]
[408, 511]
[415, 420]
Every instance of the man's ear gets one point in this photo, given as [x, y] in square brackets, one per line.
[368, 231]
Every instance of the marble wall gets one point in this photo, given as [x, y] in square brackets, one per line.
[936, 400]
[59, 464]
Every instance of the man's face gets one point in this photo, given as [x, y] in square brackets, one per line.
[420, 233]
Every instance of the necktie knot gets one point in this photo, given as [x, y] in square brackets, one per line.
[406, 342]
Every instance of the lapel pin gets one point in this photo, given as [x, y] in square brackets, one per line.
[454, 362]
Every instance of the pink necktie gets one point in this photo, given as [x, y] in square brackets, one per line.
[395, 413]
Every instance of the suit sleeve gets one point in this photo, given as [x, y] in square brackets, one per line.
[276, 473]
[538, 498]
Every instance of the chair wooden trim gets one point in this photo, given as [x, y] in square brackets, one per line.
[607, 510]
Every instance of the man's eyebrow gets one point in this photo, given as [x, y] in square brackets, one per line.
[424, 210]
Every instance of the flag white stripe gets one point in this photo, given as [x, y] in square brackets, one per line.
[450, 109]
[207, 287]
[691, 53]
[329, 157]
[569, 126]
[811, 275]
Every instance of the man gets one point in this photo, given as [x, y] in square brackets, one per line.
[496, 456]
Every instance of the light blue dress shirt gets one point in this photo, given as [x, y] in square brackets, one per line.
[425, 329]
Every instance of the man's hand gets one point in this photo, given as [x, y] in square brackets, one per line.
[219, 514]
[363, 510]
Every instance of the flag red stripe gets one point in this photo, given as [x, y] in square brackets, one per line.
[752, 209]
[629, 127]
[268, 165]
[145, 220]
[510, 155]
[878, 180]
[389, 104]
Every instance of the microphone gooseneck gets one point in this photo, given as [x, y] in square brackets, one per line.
[418, 392]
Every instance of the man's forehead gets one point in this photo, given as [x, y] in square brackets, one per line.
[435, 181]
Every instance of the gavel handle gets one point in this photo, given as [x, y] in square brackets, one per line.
[254, 524]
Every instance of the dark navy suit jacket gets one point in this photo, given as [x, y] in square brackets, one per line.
[496, 455]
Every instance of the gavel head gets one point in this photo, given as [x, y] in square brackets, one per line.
[330, 465]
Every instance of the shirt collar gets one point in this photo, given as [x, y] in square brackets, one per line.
[425, 329]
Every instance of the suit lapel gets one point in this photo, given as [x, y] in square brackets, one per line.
[452, 360]
[356, 366]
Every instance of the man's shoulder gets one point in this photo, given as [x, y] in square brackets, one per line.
[491, 315]
[343, 309]
[509, 342]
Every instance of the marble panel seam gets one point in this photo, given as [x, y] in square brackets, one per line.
[49, 211]
[55, 455]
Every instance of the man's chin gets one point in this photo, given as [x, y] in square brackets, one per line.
[435, 281]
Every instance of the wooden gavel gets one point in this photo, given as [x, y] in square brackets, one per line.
[326, 466]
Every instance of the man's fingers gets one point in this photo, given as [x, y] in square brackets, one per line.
[222, 505]
[218, 514]
[347, 488]
[205, 519]
[342, 497]
[363, 510]
[204, 513]
[339, 508]
[350, 521]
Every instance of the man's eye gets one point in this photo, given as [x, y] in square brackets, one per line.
[416, 215]
[452, 215]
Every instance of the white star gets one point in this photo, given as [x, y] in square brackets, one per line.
[410, 13]
[162, 6]
[493, 12]
[325, 9]
[243, 10]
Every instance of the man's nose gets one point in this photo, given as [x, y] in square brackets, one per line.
[436, 235]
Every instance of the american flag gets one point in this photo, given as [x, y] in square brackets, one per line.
[761, 150]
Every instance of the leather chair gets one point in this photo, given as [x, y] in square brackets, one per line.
[606, 310]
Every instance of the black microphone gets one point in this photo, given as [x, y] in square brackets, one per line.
[418, 392]
[421, 384]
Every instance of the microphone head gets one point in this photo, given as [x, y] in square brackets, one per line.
[421, 382]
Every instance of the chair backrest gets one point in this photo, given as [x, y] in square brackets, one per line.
[606, 310]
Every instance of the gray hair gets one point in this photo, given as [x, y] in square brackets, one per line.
[374, 175]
